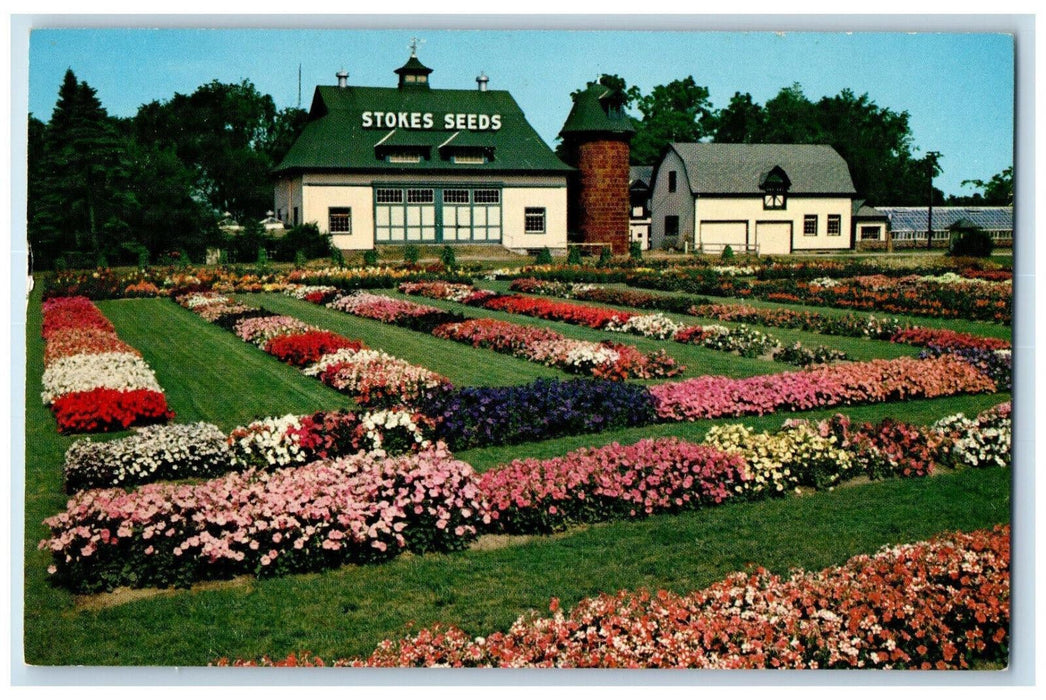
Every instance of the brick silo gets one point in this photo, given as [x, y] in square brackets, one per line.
[596, 136]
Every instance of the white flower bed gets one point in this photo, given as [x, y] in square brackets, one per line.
[151, 453]
[983, 441]
[267, 443]
[84, 372]
[650, 325]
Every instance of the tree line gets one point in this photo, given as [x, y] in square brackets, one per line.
[109, 190]
[103, 189]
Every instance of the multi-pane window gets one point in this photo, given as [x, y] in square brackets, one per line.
[383, 196]
[835, 225]
[672, 181]
[534, 220]
[456, 196]
[810, 225]
[671, 225]
[339, 219]
[487, 196]
[420, 196]
[870, 233]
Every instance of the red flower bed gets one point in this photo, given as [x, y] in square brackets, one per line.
[306, 348]
[577, 314]
[103, 410]
[947, 340]
[930, 605]
[63, 313]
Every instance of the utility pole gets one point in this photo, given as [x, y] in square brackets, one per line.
[931, 163]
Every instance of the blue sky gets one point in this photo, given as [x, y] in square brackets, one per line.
[958, 88]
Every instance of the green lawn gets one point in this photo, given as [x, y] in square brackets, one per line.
[209, 374]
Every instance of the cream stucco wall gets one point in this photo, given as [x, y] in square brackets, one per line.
[315, 193]
[360, 199]
[515, 200]
[750, 211]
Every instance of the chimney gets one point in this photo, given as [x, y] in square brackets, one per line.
[481, 81]
[343, 78]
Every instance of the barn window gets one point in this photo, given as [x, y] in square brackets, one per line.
[672, 181]
[835, 225]
[339, 219]
[810, 225]
[534, 220]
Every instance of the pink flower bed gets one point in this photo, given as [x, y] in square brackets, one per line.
[380, 308]
[377, 379]
[261, 329]
[940, 604]
[596, 484]
[819, 386]
[355, 509]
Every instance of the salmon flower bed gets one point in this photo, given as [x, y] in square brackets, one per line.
[817, 387]
[938, 604]
[92, 380]
[356, 509]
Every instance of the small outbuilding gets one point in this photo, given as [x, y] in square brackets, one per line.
[757, 198]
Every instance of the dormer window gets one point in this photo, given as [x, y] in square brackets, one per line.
[775, 185]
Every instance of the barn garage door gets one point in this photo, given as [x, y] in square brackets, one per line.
[774, 237]
[716, 234]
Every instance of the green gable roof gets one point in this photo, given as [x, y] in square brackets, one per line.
[335, 140]
[590, 114]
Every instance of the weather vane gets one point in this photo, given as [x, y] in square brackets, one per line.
[414, 41]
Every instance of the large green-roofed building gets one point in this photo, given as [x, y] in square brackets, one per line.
[413, 164]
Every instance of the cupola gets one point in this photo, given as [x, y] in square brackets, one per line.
[413, 73]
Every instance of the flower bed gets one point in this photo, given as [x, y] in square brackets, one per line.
[602, 360]
[940, 604]
[983, 441]
[374, 378]
[817, 387]
[596, 484]
[355, 509]
[482, 416]
[152, 453]
[92, 380]
[891, 329]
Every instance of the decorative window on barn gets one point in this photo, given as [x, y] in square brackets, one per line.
[672, 181]
[835, 225]
[534, 220]
[671, 226]
[774, 200]
[404, 157]
[810, 225]
[339, 220]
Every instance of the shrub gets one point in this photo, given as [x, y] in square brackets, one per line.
[728, 253]
[447, 257]
[574, 255]
[972, 243]
[543, 257]
[635, 251]
[411, 254]
[606, 257]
